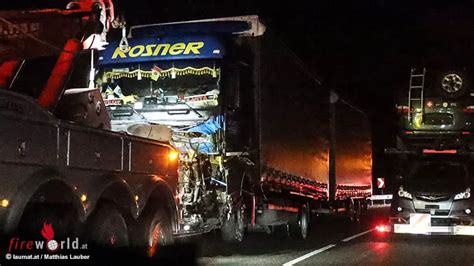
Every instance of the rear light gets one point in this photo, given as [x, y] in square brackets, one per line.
[466, 133]
[382, 228]
[402, 109]
[469, 109]
[408, 132]
[440, 151]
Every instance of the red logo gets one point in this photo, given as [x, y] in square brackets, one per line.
[48, 233]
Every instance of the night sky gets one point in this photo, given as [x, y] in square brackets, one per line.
[364, 49]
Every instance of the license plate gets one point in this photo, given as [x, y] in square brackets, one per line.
[420, 223]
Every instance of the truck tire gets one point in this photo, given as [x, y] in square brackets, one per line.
[107, 226]
[158, 231]
[233, 225]
[61, 217]
[350, 210]
[357, 211]
[299, 230]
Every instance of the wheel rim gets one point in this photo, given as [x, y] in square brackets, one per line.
[352, 211]
[452, 83]
[112, 240]
[303, 223]
[357, 213]
[156, 239]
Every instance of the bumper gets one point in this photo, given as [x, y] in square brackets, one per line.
[426, 224]
[436, 139]
[417, 217]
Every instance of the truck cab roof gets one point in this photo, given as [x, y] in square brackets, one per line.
[241, 25]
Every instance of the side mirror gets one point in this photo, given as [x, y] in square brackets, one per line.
[232, 89]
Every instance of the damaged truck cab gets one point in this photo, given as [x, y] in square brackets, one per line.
[252, 127]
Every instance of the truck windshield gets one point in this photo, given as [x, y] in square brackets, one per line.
[164, 95]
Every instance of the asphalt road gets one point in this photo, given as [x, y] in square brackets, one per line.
[335, 241]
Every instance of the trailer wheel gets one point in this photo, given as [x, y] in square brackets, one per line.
[107, 226]
[299, 229]
[357, 211]
[350, 210]
[158, 232]
[233, 225]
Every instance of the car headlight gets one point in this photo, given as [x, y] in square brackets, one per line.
[403, 193]
[463, 195]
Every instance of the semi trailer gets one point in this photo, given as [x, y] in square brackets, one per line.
[262, 141]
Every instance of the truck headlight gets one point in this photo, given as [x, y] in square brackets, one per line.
[463, 195]
[403, 193]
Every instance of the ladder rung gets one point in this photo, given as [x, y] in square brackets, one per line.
[416, 87]
[415, 99]
[417, 75]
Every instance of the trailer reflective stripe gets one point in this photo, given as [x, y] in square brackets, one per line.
[442, 230]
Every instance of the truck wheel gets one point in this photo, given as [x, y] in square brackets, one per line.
[107, 226]
[158, 232]
[233, 226]
[357, 211]
[61, 217]
[350, 210]
[299, 230]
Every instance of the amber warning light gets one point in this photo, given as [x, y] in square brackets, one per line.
[173, 155]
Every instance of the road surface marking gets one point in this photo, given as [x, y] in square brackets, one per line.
[356, 236]
[306, 256]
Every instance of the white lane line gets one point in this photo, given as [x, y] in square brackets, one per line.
[312, 253]
[356, 236]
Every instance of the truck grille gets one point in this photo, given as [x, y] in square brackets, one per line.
[433, 197]
[437, 212]
[445, 221]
